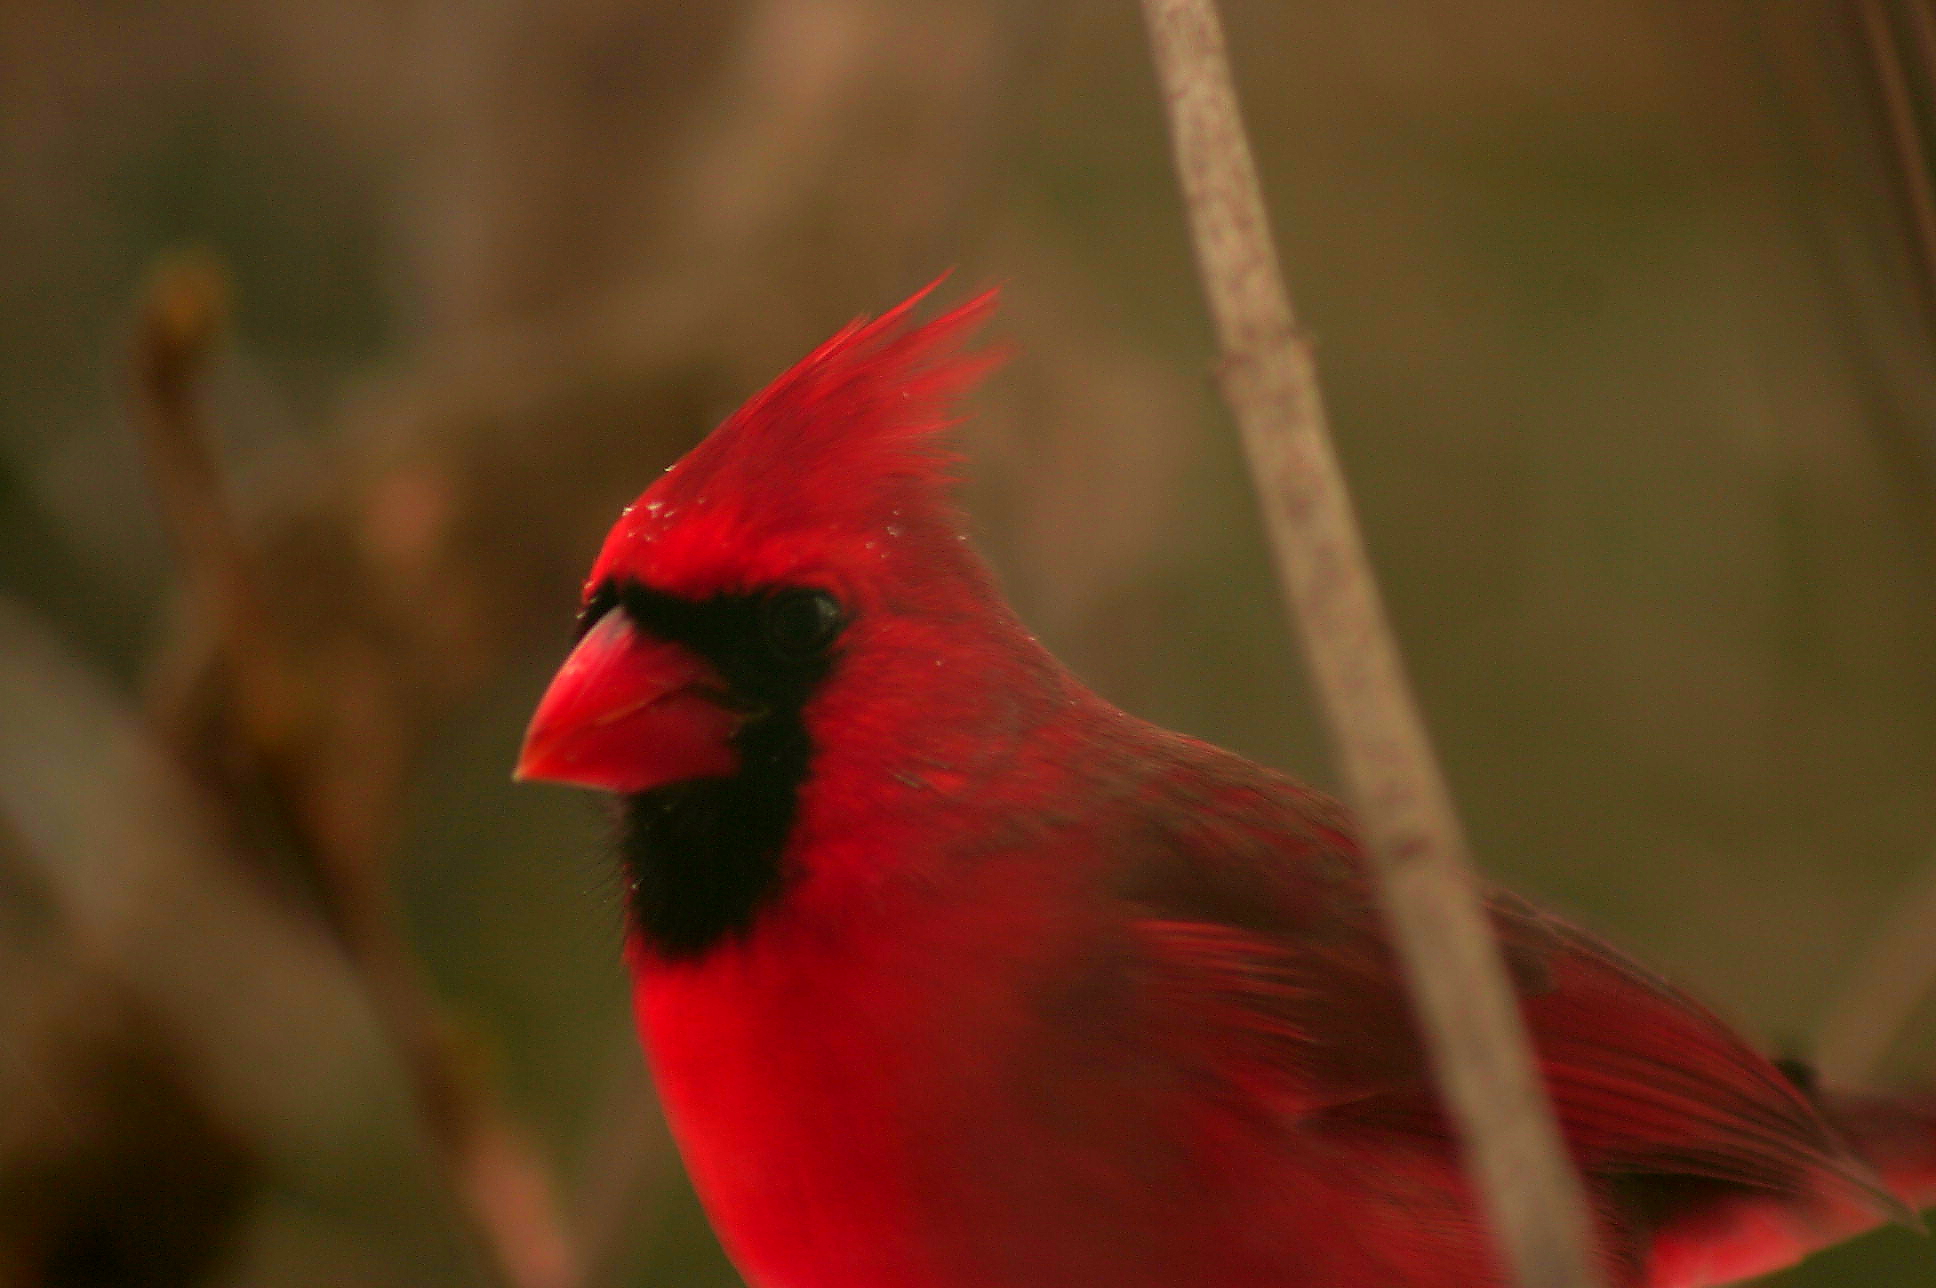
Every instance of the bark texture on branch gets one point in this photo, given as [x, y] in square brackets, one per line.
[1478, 1044]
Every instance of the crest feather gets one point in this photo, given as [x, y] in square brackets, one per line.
[846, 444]
[856, 423]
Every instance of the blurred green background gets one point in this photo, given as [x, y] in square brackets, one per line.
[1624, 326]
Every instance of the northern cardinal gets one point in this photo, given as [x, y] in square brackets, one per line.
[952, 975]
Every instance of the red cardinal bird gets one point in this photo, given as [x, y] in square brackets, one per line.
[953, 975]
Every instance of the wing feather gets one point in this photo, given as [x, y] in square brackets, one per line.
[1258, 925]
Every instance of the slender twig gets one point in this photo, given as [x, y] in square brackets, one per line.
[1909, 148]
[1922, 27]
[1891, 978]
[503, 1189]
[1472, 1025]
[182, 319]
[1897, 968]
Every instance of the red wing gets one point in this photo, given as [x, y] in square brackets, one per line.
[1643, 1078]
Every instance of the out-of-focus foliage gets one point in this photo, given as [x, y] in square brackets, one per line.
[1621, 321]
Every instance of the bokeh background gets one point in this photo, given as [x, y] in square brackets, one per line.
[1625, 317]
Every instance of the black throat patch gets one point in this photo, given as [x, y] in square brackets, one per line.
[704, 857]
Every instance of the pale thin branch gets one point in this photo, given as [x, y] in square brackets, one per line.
[502, 1187]
[1474, 1032]
[1890, 980]
[1922, 28]
[1897, 968]
[1909, 148]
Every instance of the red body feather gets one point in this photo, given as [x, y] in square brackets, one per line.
[1033, 992]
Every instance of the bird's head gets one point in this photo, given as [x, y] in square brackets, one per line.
[800, 578]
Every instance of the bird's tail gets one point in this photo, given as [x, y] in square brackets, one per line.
[1740, 1234]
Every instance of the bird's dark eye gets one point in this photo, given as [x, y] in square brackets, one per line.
[799, 623]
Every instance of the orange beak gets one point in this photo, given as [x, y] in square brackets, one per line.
[627, 713]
